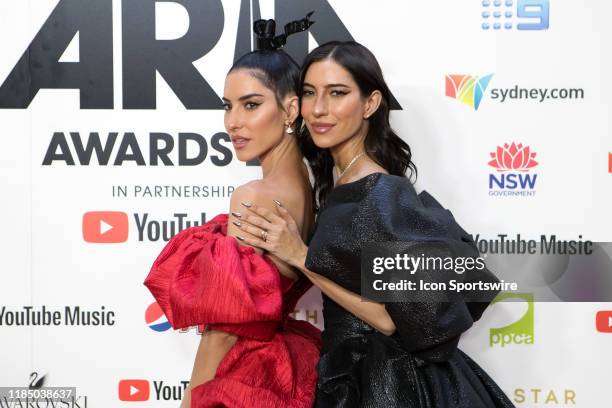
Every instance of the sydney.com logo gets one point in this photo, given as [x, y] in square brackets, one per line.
[471, 90]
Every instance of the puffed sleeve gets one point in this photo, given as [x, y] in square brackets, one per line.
[202, 276]
[429, 324]
[383, 209]
[431, 329]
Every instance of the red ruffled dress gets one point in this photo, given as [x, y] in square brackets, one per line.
[203, 276]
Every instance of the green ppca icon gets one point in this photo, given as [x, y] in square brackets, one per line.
[519, 332]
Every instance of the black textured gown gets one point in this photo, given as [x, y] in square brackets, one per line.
[420, 365]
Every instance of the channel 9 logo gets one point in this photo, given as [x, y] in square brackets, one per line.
[530, 15]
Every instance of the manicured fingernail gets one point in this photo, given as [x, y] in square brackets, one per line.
[278, 203]
[237, 223]
[240, 238]
[247, 204]
[236, 214]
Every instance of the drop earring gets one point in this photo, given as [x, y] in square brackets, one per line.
[289, 129]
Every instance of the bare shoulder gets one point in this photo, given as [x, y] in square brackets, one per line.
[262, 193]
[256, 191]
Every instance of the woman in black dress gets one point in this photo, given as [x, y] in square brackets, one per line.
[393, 354]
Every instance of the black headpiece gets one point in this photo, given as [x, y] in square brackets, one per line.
[265, 31]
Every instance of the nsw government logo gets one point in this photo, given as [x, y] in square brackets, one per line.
[519, 332]
[513, 163]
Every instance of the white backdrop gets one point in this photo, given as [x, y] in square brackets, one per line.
[47, 262]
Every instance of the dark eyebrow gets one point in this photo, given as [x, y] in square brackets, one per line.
[328, 85]
[247, 96]
[243, 97]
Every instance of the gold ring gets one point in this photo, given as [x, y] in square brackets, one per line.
[264, 235]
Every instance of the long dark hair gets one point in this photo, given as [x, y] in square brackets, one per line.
[382, 144]
[274, 68]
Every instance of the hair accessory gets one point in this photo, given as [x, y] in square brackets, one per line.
[265, 31]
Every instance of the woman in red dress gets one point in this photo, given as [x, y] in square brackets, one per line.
[252, 354]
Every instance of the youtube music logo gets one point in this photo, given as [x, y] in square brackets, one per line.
[113, 226]
[140, 390]
[105, 226]
[603, 321]
[134, 390]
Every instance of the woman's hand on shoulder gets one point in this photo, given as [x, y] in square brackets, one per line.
[248, 192]
[271, 229]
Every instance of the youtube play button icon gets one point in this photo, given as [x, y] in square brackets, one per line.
[603, 321]
[105, 226]
[134, 390]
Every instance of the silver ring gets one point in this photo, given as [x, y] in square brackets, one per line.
[264, 235]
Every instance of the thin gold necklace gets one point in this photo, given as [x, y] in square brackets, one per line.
[348, 166]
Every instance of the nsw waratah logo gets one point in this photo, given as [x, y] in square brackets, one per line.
[513, 176]
[467, 89]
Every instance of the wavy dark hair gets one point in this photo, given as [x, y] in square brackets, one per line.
[382, 144]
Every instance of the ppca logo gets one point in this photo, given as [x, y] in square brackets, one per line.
[520, 331]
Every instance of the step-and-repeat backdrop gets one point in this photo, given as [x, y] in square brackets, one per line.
[113, 141]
